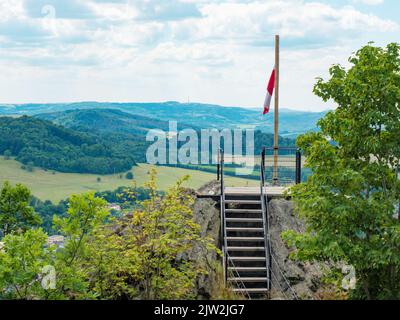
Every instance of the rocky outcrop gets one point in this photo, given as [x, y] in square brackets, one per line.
[207, 215]
[290, 278]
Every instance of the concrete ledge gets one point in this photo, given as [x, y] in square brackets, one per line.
[271, 192]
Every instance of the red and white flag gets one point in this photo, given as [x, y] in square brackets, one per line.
[270, 92]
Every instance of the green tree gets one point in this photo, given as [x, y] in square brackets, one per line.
[349, 201]
[23, 256]
[22, 260]
[129, 176]
[85, 214]
[144, 255]
[46, 210]
[7, 155]
[30, 166]
[15, 212]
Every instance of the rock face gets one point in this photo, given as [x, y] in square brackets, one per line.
[304, 278]
[211, 189]
[207, 215]
[290, 279]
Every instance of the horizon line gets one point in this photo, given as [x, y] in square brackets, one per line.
[159, 102]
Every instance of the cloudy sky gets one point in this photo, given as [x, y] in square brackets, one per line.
[204, 50]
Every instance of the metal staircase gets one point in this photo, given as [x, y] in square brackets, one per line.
[245, 241]
[250, 267]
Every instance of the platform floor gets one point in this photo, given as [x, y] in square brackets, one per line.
[270, 191]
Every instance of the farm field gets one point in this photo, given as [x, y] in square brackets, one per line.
[55, 186]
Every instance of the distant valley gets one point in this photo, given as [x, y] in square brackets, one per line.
[292, 123]
[108, 121]
[95, 145]
[97, 141]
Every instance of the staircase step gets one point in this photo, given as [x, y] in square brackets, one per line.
[251, 290]
[247, 258]
[250, 239]
[248, 279]
[243, 211]
[233, 229]
[248, 269]
[244, 220]
[245, 248]
[243, 201]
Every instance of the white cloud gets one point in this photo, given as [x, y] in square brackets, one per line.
[253, 21]
[200, 53]
[210, 50]
[369, 2]
[11, 9]
[114, 11]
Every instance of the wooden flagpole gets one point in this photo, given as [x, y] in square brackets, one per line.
[276, 112]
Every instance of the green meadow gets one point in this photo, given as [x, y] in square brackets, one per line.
[55, 186]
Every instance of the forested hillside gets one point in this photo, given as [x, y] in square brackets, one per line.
[292, 123]
[107, 120]
[36, 142]
[116, 121]
[98, 141]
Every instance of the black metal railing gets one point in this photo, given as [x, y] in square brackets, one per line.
[283, 166]
[266, 224]
[223, 240]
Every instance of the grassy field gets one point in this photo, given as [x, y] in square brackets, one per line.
[55, 186]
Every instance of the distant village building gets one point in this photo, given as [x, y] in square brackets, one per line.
[56, 241]
[113, 206]
[51, 241]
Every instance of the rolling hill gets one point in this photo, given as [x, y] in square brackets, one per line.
[113, 121]
[36, 142]
[107, 120]
[100, 141]
[198, 115]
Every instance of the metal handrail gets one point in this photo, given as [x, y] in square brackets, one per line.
[298, 166]
[264, 207]
[223, 239]
[240, 283]
[219, 165]
[282, 148]
[294, 294]
[283, 162]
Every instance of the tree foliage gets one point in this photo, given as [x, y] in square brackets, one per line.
[24, 255]
[85, 214]
[7, 154]
[152, 246]
[21, 264]
[349, 202]
[129, 175]
[47, 210]
[40, 143]
[142, 255]
[15, 212]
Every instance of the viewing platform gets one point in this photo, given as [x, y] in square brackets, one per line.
[245, 241]
[272, 192]
[256, 191]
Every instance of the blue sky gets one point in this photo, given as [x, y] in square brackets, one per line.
[203, 50]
